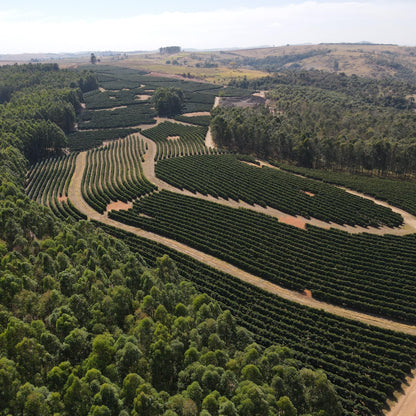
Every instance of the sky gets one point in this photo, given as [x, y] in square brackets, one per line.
[28, 26]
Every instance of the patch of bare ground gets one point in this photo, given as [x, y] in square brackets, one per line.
[142, 97]
[261, 94]
[173, 137]
[209, 141]
[75, 195]
[112, 98]
[295, 221]
[308, 193]
[118, 206]
[197, 113]
[62, 198]
[250, 163]
[406, 399]
[110, 108]
[101, 89]
[243, 102]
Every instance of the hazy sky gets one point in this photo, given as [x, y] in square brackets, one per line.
[125, 25]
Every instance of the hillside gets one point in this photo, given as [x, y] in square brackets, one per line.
[203, 283]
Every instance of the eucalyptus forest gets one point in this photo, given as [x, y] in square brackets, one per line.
[165, 252]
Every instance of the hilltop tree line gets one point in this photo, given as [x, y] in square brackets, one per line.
[86, 328]
[325, 121]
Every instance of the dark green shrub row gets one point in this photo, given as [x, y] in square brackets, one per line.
[191, 140]
[400, 193]
[88, 139]
[114, 173]
[375, 274]
[225, 176]
[132, 115]
[48, 182]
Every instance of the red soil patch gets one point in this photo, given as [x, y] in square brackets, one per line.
[296, 222]
[307, 293]
[118, 206]
[62, 198]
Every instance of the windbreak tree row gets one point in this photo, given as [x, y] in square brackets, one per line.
[225, 176]
[365, 364]
[375, 274]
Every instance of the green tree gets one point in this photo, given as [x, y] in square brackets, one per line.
[168, 101]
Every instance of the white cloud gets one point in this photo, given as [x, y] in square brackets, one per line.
[311, 21]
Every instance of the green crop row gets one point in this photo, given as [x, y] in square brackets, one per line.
[226, 177]
[401, 193]
[48, 181]
[114, 173]
[371, 273]
[174, 139]
[88, 139]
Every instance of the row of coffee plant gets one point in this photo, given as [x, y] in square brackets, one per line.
[370, 273]
[48, 181]
[400, 193]
[114, 173]
[225, 176]
[174, 139]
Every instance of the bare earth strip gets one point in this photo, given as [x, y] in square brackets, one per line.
[406, 403]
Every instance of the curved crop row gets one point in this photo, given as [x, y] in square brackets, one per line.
[174, 139]
[226, 177]
[400, 193]
[114, 173]
[364, 363]
[48, 181]
[375, 274]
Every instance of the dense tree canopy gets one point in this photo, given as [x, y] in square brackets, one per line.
[168, 101]
[325, 120]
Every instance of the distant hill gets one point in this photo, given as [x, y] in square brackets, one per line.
[369, 60]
